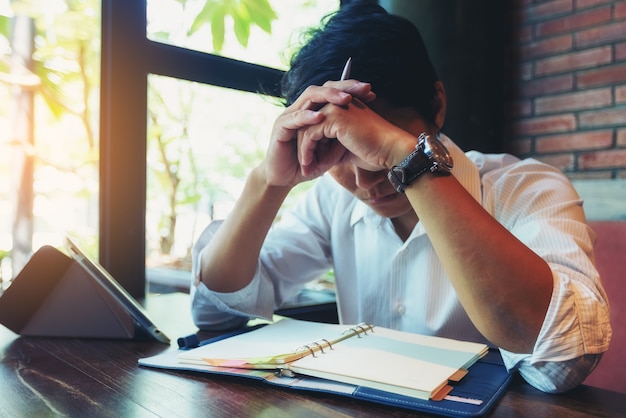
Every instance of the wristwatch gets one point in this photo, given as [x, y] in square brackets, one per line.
[429, 155]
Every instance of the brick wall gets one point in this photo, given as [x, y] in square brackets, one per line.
[568, 104]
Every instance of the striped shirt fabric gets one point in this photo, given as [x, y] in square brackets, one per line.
[385, 281]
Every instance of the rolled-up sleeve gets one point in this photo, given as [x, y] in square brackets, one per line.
[218, 311]
[569, 346]
[541, 208]
[295, 252]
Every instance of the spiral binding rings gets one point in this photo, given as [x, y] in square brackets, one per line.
[319, 345]
[306, 347]
[327, 342]
[362, 327]
[315, 343]
[315, 346]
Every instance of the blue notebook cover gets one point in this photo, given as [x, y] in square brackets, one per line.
[474, 395]
[486, 382]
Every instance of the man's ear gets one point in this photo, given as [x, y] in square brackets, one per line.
[441, 104]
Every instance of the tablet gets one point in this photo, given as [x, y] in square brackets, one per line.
[143, 324]
[56, 295]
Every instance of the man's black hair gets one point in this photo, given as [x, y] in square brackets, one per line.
[387, 51]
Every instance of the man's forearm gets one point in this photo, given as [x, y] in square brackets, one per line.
[229, 261]
[503, 285]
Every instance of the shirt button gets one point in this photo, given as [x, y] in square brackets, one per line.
[401, 309]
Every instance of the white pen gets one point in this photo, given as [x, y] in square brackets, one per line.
[346, 70]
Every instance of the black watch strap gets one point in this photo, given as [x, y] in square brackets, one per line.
[413, 166]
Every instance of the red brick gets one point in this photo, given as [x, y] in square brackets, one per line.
[601, 35]
[571, 70]
[547, 85]
[574, 141]
[544, 125]
[620, 10]
[574, 61]
[584, 4]
[574, 22]
[620, 94]
[548, 9]
[561, 161]
[608, 117]
[602, 159]
[547, 47]
[620, 52]
[589, 99]
[614, 74]
[621, 138]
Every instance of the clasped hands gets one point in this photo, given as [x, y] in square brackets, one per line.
[325, 126]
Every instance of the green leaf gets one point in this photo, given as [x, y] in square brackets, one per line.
[217, 28]
[262, 22]
[260, 8]
[244, 14]
[261, 13]
[204, 17]
[242, 26]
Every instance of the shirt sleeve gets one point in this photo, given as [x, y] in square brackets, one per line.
[559, 362]
[294, 253]
[541, 208]
[214, 310]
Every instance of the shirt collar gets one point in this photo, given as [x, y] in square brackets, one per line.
[463, 169]
[363, 212]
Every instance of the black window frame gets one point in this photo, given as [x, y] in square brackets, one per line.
[127, 58]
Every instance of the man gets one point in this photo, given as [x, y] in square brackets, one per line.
[421, 238]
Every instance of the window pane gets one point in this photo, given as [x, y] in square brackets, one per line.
[171, 22]
[202, 143]
[49, 79]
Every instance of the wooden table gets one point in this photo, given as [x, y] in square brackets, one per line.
[42, 377]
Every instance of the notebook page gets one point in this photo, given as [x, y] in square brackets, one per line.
[266, 347]
[399, 362]
[438, 350]
[378, 370]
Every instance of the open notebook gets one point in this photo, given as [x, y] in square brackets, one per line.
[393, 361]
[474, 395]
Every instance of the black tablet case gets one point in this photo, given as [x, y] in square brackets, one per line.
[53, 296]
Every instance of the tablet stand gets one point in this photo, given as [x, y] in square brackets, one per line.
[53, 296]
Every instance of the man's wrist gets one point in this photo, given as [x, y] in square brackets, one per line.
[261, 180]
[399, 152]
[429, 155]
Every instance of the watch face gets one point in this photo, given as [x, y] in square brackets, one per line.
[438, 154]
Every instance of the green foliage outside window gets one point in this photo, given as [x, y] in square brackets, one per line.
[49, 149]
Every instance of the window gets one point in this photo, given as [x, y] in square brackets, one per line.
[64, 175]
[202, 142]
[143, 64]
[134, 136]
[172, 22]
[49, 78]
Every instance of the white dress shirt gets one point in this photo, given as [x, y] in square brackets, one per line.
[402, 285]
